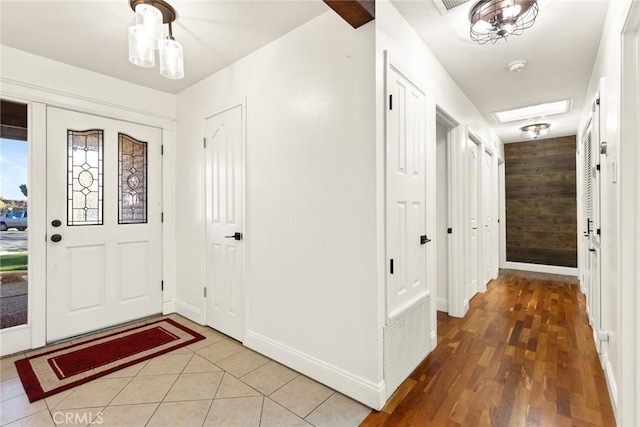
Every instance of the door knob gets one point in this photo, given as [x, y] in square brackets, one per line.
[236, 236]
[56, 223]
[56, 238]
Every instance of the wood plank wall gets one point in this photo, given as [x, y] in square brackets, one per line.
[540, 180]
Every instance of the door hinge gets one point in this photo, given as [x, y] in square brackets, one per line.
[598, 101]
[449, 231]
[390, 102]
[162, 285]
[161, 216]
[598, 231]
[597, 167]
[205, 292]
[391, 266]
[162, 150]
[204, 142]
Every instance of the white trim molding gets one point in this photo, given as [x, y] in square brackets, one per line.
[540, 268]
[370, 394]
[190, 312]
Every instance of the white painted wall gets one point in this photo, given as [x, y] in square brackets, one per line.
[311, 237]
[618, 290]
[442, 217]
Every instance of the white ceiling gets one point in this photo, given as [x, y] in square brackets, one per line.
[560, 50]
[92, 34]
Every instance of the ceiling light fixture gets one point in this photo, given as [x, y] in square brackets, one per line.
[147, 36]
[535, 131]
[492, 20]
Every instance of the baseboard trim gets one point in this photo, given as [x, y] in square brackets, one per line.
[168, 307]
[15, 339]
[370, 394]
[540, 268]
[442, 304]
[611, 383]
[189, 311]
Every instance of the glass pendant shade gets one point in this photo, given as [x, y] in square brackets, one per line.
[171, 59]
[149, 22]
[141, 51]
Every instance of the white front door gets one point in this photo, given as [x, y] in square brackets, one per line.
[224, 221]
[104, 236]
[406, 193]
[472, 219]
[487, 197]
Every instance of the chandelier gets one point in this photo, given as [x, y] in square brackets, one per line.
[492, 20]
[535, 131]
[147, 36]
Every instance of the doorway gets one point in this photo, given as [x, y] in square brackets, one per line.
[442, 217]
[472, 163]
[104, 235]
[224, 186]
[488, 203]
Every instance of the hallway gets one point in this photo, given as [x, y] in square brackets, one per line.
[523, 356]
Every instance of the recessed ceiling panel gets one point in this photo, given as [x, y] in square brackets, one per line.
[533, 111]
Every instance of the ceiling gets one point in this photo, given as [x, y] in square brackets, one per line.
[560, 50]
[92, 34]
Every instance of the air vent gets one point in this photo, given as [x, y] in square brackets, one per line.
[446, 5]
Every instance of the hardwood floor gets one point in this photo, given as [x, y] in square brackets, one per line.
[523, 356]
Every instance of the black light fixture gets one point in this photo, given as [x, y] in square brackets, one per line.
[147, 36]
[492, 20]
[535, 131]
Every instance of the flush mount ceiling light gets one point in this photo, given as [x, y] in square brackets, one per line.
[147, 36]
[492, 20]
[535, 131]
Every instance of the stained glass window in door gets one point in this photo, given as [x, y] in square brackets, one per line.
[132, 180]
[84, 177]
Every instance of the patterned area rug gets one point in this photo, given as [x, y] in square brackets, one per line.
[52, 372]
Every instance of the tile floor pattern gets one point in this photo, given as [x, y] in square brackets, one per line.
[213, 382]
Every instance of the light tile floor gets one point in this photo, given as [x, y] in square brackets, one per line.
[214, 382]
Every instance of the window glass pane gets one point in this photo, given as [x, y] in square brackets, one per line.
[132, 180]
[84, 177]
[14, 235]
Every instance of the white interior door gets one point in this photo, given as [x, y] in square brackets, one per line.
[104, 235]
[593, 160]
[224, 221]
[406, 193]
[472, 219]
[487, 197]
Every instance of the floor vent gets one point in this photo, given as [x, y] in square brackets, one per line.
[407, 341]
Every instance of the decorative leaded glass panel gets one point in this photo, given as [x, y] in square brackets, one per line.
[84, 177]
[132, 180]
